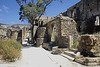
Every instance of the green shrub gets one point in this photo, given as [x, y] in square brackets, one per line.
[75, 44]
[10, 49]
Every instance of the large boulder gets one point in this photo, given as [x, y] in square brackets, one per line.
[90, 45]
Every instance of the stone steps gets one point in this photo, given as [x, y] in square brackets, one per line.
[73, 50]
[70, 53]
[89, 61]
[68, 57]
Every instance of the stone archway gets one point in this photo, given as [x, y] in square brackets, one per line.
[51, 32]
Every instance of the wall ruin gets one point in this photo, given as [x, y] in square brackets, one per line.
[85, 13]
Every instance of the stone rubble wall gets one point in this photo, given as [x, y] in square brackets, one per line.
[8, 34]
[63, 28]
[41, 32]
[84, 9]
[12, 32]
[85, 13]
[90, 45]
[41, 36]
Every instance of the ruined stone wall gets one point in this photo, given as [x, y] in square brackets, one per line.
[8, 34]
[85, 9]
[5, 33]
[26, 33]
[68, 27]
[90, 45]
[14, 35]
[63, 28]
[45, 20]
[84, 12]
[12, 32]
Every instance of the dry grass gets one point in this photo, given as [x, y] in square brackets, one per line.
[10, 49]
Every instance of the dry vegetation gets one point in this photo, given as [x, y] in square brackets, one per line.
[10, 50]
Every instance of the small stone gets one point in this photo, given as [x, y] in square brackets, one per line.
[78, 55]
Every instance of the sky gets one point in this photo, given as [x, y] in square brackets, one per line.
[9, 10]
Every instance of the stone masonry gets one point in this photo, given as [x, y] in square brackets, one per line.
[90, 45]
[85, 13]
[12, 32]
[59, 30]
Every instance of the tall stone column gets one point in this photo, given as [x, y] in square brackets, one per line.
[41, 36]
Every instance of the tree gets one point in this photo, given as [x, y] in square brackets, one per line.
[32, 10]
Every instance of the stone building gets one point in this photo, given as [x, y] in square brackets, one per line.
[40, 30]
[26, 33]
[87, 15]
[14, 32]
[59, 30]
[44, 20]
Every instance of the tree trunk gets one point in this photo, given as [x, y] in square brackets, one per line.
[32, 33]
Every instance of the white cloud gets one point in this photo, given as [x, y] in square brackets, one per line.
[5, 8]
[0, 9]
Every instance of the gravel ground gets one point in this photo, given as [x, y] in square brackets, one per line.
[38, 57]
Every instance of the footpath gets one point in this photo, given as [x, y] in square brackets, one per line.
[39, 57]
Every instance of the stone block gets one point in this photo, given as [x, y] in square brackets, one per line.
[46, 46]
[90, 45]
[40, 41]
[88, 61]
[55, 48]
[41, 32]
[57, 52]
[78, 55]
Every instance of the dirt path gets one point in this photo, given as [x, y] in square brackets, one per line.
[38, 57]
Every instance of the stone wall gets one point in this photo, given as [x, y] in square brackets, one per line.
[45, 19]
[85, 13]
[13, 32]
[8, 34]
[26, 33]
[41, 36]
[90, 45]
[14, 35]
[62, 27]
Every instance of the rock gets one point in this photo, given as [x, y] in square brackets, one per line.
[55, 48]
[57, 52]
[78, 55]
[47, 46]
